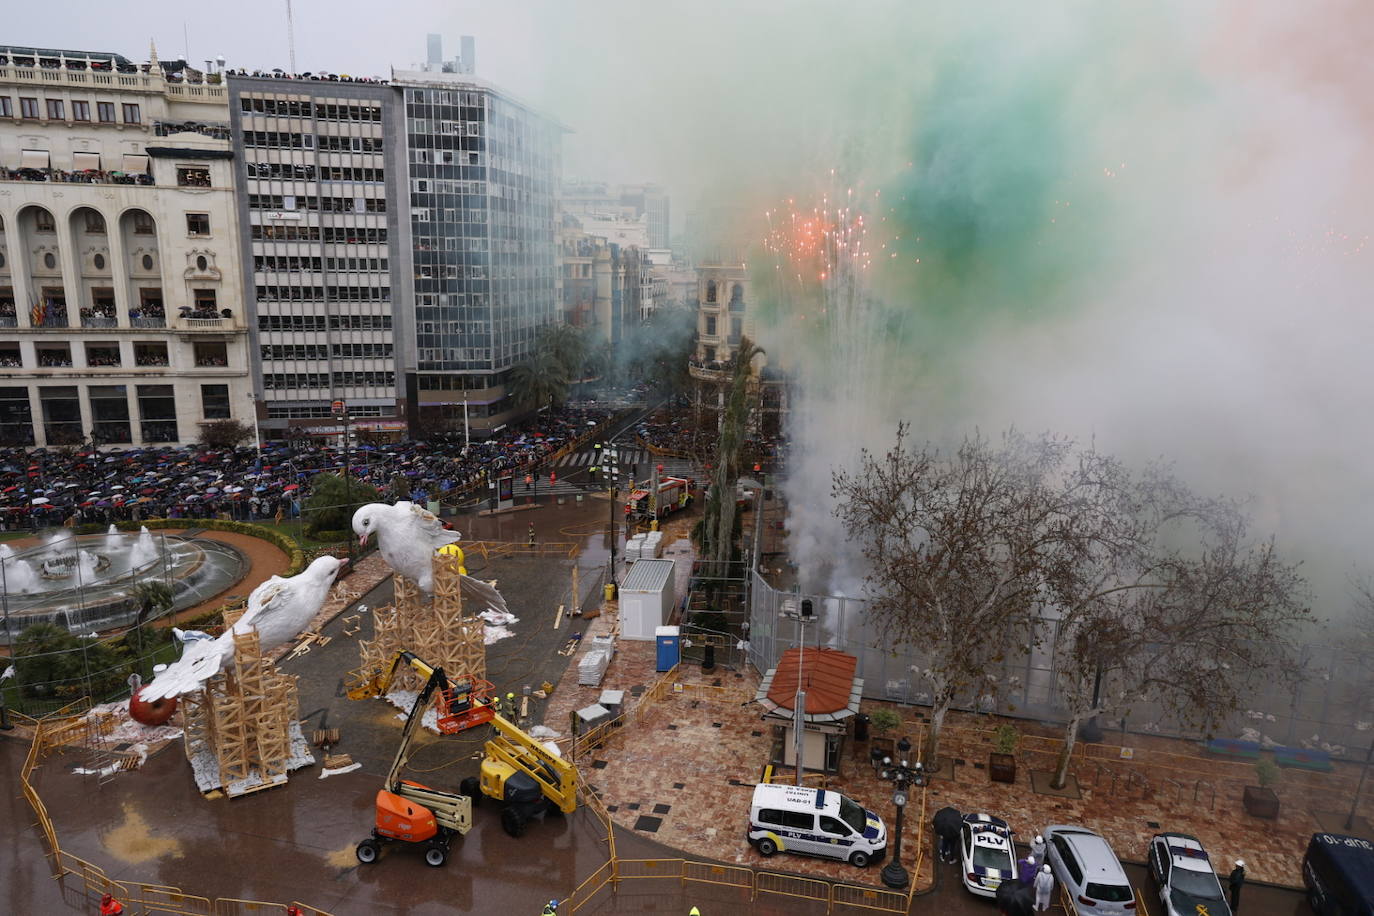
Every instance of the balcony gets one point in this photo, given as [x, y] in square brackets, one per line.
[148, 321]
[205, 324]
[97, 321]
[9, 321]
[51, 318]
[88, 176]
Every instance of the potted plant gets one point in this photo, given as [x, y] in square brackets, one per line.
[1001, 762]
[1260, 800]
[882, 720]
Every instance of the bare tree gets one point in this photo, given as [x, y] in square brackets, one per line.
[1160, 596]
[955, 548]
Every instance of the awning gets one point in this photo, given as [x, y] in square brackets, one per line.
[86, 162]
[135, 163]
[34, 159]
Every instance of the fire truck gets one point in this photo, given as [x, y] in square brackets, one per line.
[674, 493]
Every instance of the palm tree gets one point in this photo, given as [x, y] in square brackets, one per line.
[154, 597]
[719, 519]
[540, 380]
[567, 344]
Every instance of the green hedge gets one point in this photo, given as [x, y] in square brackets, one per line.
[332, 536]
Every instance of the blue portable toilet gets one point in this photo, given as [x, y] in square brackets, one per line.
[669, 647]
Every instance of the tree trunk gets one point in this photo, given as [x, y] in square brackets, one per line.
[931, 757]
[1061, 771]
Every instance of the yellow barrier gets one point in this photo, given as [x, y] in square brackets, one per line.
[586, 892]
[632, 869]
[869, 898]
[135, 895]
[727, 875]
[771, 882]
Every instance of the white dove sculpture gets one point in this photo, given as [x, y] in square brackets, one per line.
[407, 536]
[278, 609]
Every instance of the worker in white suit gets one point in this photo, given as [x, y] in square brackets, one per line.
[1044, 888]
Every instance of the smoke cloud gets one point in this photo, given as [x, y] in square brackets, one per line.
[1145, 224]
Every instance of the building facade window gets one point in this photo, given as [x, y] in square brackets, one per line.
[143, 223]
[61, 414]
[193, 178]
[214, 401]
[55, 110]
[157, 413]
[110, 413]
[105, 112]
[204, 300]
[81, 111]
[710, 325]
[28, 108]
[6, 107]
[16, 417]
[95, 223]
[197, 224]
[131, 113]
[43, 221]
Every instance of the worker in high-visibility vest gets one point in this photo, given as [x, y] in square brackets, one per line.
[550, 908]
[109, 906]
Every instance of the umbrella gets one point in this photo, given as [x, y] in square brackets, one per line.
[948, 822]
[103, 504]
[41, 501]
[118, 486]
[289, 487]
[11, 489]
[1016, 899]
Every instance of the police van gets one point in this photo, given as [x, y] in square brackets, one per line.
[815, 822]
[1339, 874]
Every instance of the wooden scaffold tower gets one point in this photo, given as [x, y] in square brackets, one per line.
[241, 728]
[436, 631]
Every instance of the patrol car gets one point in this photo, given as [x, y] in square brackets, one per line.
[1183, 873]
[989, 853]
[815, 822]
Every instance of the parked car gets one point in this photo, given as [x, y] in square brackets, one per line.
[1088, 871]
[1187, 883]
[989, 853]
[816, 822]
[1339, 874]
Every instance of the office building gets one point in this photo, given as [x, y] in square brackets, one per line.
[320, 203]
[482, 172]
[121, 309]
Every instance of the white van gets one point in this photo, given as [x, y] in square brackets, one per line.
[816, 822]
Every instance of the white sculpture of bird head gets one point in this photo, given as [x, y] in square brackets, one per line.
[407, 536]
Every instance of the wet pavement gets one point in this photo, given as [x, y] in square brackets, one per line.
[297, 841]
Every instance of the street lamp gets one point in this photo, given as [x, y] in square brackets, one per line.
[340, 410]
[803, 613]
[902, 774]
[610, 459]
[257, 433]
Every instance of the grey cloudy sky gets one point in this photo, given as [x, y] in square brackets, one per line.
[679, 92]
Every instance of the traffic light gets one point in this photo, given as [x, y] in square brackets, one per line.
[553, 477]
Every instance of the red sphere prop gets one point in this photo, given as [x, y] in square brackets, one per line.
[155, 713]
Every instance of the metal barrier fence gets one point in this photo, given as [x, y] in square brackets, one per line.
[1319, 712]
[139, 898]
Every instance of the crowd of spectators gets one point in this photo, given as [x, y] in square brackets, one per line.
[44, 488]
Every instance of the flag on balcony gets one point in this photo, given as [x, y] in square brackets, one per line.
[36, 314]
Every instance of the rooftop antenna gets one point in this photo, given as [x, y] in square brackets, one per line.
[290, 36]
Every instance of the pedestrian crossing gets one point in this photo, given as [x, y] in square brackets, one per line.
[641, 460]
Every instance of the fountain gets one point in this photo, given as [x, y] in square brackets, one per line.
[144, 550]
[19, 579]
[86, 583]
[86, 565]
